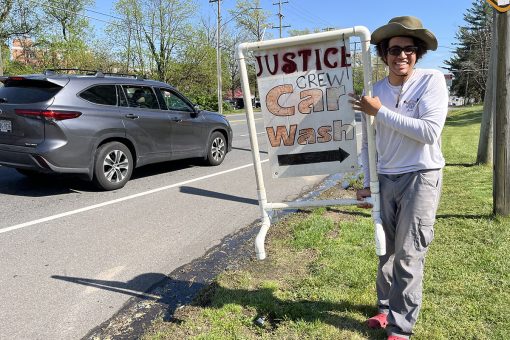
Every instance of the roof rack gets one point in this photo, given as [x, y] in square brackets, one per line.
[127, 75]
[53, 71]
[97, 73]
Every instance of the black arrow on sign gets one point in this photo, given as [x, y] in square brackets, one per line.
[313, 157]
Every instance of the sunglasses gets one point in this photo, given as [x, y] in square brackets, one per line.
[397, 50]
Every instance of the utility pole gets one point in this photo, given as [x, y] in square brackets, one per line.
[128, 47]
[377, 69]
[218, 59]
[485, 141]
[466, 100]
[1, 60]
[353, 54]
[501, 184]
[280, 15]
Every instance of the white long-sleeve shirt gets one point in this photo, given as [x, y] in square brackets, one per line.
[408, 135]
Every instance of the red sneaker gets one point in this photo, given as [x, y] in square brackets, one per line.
[378, 321]
[394, 337]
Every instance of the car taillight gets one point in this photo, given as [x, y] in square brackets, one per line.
[48, 114]
[16, 78]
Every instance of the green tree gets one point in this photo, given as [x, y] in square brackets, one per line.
[251, 18]
[379, 70]
[470, 61]
[67, 14]
[253, 21]
[294, 33]
[65, 35]
[193, 69]
[231, 40]
[17, 19]
[154, 30]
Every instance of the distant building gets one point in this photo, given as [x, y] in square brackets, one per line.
[459, 101]
[449, 79]
[455, 101]
[237, 99]
[23, 51]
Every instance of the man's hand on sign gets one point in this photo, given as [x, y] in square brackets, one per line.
[361, 194]
[369, 105]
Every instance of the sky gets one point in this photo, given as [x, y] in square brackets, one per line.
[442, 17]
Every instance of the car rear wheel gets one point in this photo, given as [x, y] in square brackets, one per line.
[113, 166]
[217, 149]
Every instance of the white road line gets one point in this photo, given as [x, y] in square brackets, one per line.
[242, 120]
[242, 114]
[100, 205]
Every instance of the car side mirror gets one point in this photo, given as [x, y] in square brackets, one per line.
[196, 110]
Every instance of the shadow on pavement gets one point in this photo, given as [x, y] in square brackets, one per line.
[168, 295]
[155, 294]
[242, 149]
[217, 195]
[15, 184]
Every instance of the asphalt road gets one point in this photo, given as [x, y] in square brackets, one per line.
[64, 245]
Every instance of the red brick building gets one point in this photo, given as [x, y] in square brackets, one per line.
[23, 51]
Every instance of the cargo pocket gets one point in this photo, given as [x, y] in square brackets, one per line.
[430, 179]
[424, 235]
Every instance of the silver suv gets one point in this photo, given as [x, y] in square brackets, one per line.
[102, 126]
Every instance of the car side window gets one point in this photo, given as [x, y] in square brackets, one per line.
[141, 96]
[100, 94]
[174, 102]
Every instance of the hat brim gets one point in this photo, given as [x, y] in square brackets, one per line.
[396, 30]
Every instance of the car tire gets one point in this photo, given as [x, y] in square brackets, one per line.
[113, 166]
[216, 149]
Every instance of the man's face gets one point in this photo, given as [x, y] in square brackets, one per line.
[403, 63]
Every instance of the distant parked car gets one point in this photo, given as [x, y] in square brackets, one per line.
[102, 126]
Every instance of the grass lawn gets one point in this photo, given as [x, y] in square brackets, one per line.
[319, 279]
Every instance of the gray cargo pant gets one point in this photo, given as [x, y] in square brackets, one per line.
[408, 209]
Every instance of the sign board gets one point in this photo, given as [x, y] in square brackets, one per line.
[310, 127]
[449, 79]
[500, 5]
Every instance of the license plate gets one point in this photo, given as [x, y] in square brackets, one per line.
[5, 126]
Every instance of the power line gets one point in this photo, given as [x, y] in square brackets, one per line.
[447, 47]
[104, 14]
[308, 16]
[73, 12]
[183, 39]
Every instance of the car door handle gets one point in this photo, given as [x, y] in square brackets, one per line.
[132, 116]
[177, 120]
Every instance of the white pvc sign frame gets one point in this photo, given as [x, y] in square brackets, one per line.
[266, 208]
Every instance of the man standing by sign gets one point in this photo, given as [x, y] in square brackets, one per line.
[409, 107]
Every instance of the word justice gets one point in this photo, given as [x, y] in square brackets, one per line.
[291, 62]
[337, 131]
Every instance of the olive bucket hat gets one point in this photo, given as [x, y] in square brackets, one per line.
[407, 26]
